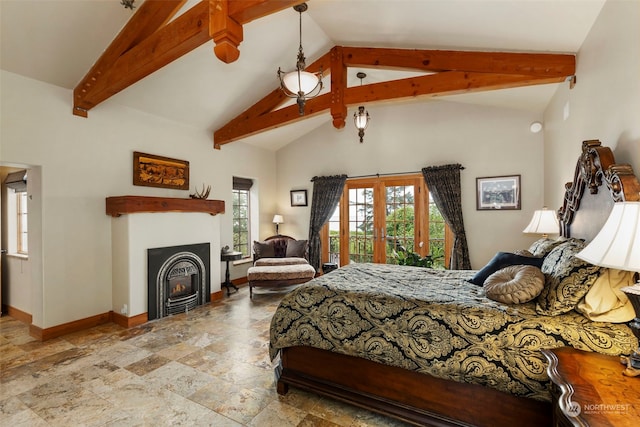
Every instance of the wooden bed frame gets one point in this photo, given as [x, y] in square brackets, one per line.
[421, 399]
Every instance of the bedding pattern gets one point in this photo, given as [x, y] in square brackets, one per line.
[435, 322]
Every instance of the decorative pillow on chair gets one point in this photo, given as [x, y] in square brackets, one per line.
[500, 261]
[568, 279]
[515, 284]
[263, 250]
[297, 248]
[542, 247]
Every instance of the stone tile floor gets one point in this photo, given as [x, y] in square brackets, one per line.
[209, 367]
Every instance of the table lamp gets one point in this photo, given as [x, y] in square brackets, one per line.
[277, 220]
[617, 245]
[544, 222]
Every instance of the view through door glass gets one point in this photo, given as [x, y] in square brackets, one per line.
[381, 219]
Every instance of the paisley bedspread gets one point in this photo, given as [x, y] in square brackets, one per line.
[435, 322]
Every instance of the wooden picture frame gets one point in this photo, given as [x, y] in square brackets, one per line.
[298, 197]
[498, 192]
[150, 170]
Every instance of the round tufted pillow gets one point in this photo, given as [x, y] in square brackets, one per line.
[515, 284]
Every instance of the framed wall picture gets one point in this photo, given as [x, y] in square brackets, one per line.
[498, 193]
[156, 171]
[299, 198]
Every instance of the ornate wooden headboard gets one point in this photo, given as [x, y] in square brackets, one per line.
[583, 213]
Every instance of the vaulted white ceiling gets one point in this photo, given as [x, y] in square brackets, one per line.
[57, 41]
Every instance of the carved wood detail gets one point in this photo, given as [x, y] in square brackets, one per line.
[595, 167]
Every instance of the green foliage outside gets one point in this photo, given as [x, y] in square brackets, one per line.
[400, 240]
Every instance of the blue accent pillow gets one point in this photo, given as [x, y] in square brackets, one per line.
[502, 260]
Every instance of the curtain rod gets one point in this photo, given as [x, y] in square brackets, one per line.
[389, 174]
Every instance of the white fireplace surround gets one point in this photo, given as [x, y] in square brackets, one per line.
[133, 234]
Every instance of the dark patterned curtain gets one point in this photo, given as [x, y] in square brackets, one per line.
[444, 184]
[326, 195]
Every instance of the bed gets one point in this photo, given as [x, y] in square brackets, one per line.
[428, 347]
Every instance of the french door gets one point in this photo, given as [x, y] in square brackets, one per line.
[377, 218]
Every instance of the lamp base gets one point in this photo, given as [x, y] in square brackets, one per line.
[633, 364]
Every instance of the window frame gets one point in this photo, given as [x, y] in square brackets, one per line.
[242, 186]
[22, 221]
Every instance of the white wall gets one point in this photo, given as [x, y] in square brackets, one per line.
[82, 162]
[604, 104]
[407, 137]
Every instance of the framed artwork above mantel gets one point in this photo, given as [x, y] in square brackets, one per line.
[498, 193]
[150, 170]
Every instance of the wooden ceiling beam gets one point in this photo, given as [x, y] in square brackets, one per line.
[270, 102]
[440, 84]
[454, 72]
[151, 15]
[338, 86]
[149, 41]
[271, 120]
[536, 64]
[178, 37]
[433, 85]
[245, 11]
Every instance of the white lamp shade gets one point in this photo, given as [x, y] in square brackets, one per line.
[308, 82]
[544, 221]
[617, 244]
[278, 219]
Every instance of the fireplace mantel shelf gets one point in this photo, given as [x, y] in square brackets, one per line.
[121, 205]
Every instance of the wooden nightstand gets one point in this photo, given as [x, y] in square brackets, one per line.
[588, 389]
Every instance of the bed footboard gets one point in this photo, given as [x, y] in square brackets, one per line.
[406, 395]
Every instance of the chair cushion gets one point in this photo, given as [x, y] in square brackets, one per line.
[280, 261]
[281, 272]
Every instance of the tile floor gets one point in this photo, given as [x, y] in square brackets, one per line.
[209, 367]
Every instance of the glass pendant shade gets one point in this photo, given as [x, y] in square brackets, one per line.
[361, 118]
[300, 82]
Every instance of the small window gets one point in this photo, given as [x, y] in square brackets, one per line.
[242, 215]
[21, 216]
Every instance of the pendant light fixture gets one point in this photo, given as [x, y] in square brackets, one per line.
[361, 117]
[300, 84]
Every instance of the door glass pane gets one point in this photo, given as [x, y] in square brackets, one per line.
[361, 224]
[400, 221]
[334, 236]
